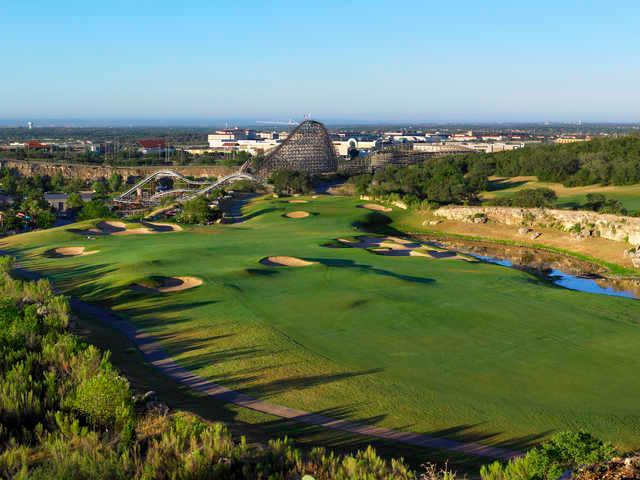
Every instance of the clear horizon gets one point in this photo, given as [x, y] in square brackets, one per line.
[360, 62]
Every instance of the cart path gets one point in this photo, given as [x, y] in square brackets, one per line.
[158, 357]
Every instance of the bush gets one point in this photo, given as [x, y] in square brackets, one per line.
[197, 211]
[103, 398]
[563, 451]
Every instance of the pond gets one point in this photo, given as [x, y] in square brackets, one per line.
[586, 283]
[562, 270]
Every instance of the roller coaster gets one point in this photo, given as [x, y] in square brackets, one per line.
[308, 149]
[163, 184]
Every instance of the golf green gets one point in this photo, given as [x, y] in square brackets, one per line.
[469, 351]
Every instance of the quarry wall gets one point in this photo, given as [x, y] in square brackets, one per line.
[92, 172]
[585, 223]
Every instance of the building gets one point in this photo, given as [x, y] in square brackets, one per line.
[34, 145]
[441, 148]
[58, 201]
[571, 139]
[154, 146]
[343, 148]
[464, 137]
[239, 140]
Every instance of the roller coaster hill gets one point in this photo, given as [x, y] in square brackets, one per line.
[307, 149]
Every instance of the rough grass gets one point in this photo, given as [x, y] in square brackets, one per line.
[568, 197]
[468, 351]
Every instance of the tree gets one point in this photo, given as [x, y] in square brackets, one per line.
[362, 183]
[197, 211]
[45, 218]
[289, 182]
[57, 182]
[73, 185]
[115, 182]
[100, 187]
[94, 209]
[74, 201]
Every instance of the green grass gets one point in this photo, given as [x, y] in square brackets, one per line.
[568, 197]
[468, 351]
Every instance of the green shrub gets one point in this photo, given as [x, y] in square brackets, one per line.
[563, 451]
[94, 209]
[197, 211]
[102, 398]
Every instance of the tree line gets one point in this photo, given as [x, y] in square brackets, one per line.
[25, 206]
[604, 160]
[460, 178]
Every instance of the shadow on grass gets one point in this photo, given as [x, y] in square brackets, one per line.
[341, 263]
[257, 213]
[259, 427]
[505, 184]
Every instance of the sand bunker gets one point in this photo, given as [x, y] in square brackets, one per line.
[298, 201]
[297, 214]
[280, 261]
[110, 227]
[164, 227]
[69, 252]
[170, 285]
[375, 207]
[400, 247]
[120, 228]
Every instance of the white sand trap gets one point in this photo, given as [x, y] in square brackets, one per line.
[110, 227]
[135, 231]
[171, 284]
[164, 227]
[399, 247]
[365, 242]
[120, 228]
[280, 261]
[177, 284]
[297, 214]
[70, 252]
[298, 201]
[375, 207]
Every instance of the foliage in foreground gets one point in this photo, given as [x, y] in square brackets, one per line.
[562, 452]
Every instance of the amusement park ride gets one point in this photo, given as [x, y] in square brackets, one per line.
[307, 149]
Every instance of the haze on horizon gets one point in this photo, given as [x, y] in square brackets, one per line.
[361, 61]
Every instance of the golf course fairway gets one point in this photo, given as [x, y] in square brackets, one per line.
[446, 347]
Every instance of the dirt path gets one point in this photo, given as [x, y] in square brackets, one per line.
[158, 357]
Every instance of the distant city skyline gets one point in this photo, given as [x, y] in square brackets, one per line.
[203, 63]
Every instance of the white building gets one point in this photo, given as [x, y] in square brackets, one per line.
[342, 147]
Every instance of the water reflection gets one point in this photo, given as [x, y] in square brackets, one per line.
[563, 270]
[581, 283]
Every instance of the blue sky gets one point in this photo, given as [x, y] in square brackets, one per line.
[339, 60]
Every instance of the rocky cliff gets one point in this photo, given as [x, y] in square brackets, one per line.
[583, 223]
[91, 172]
